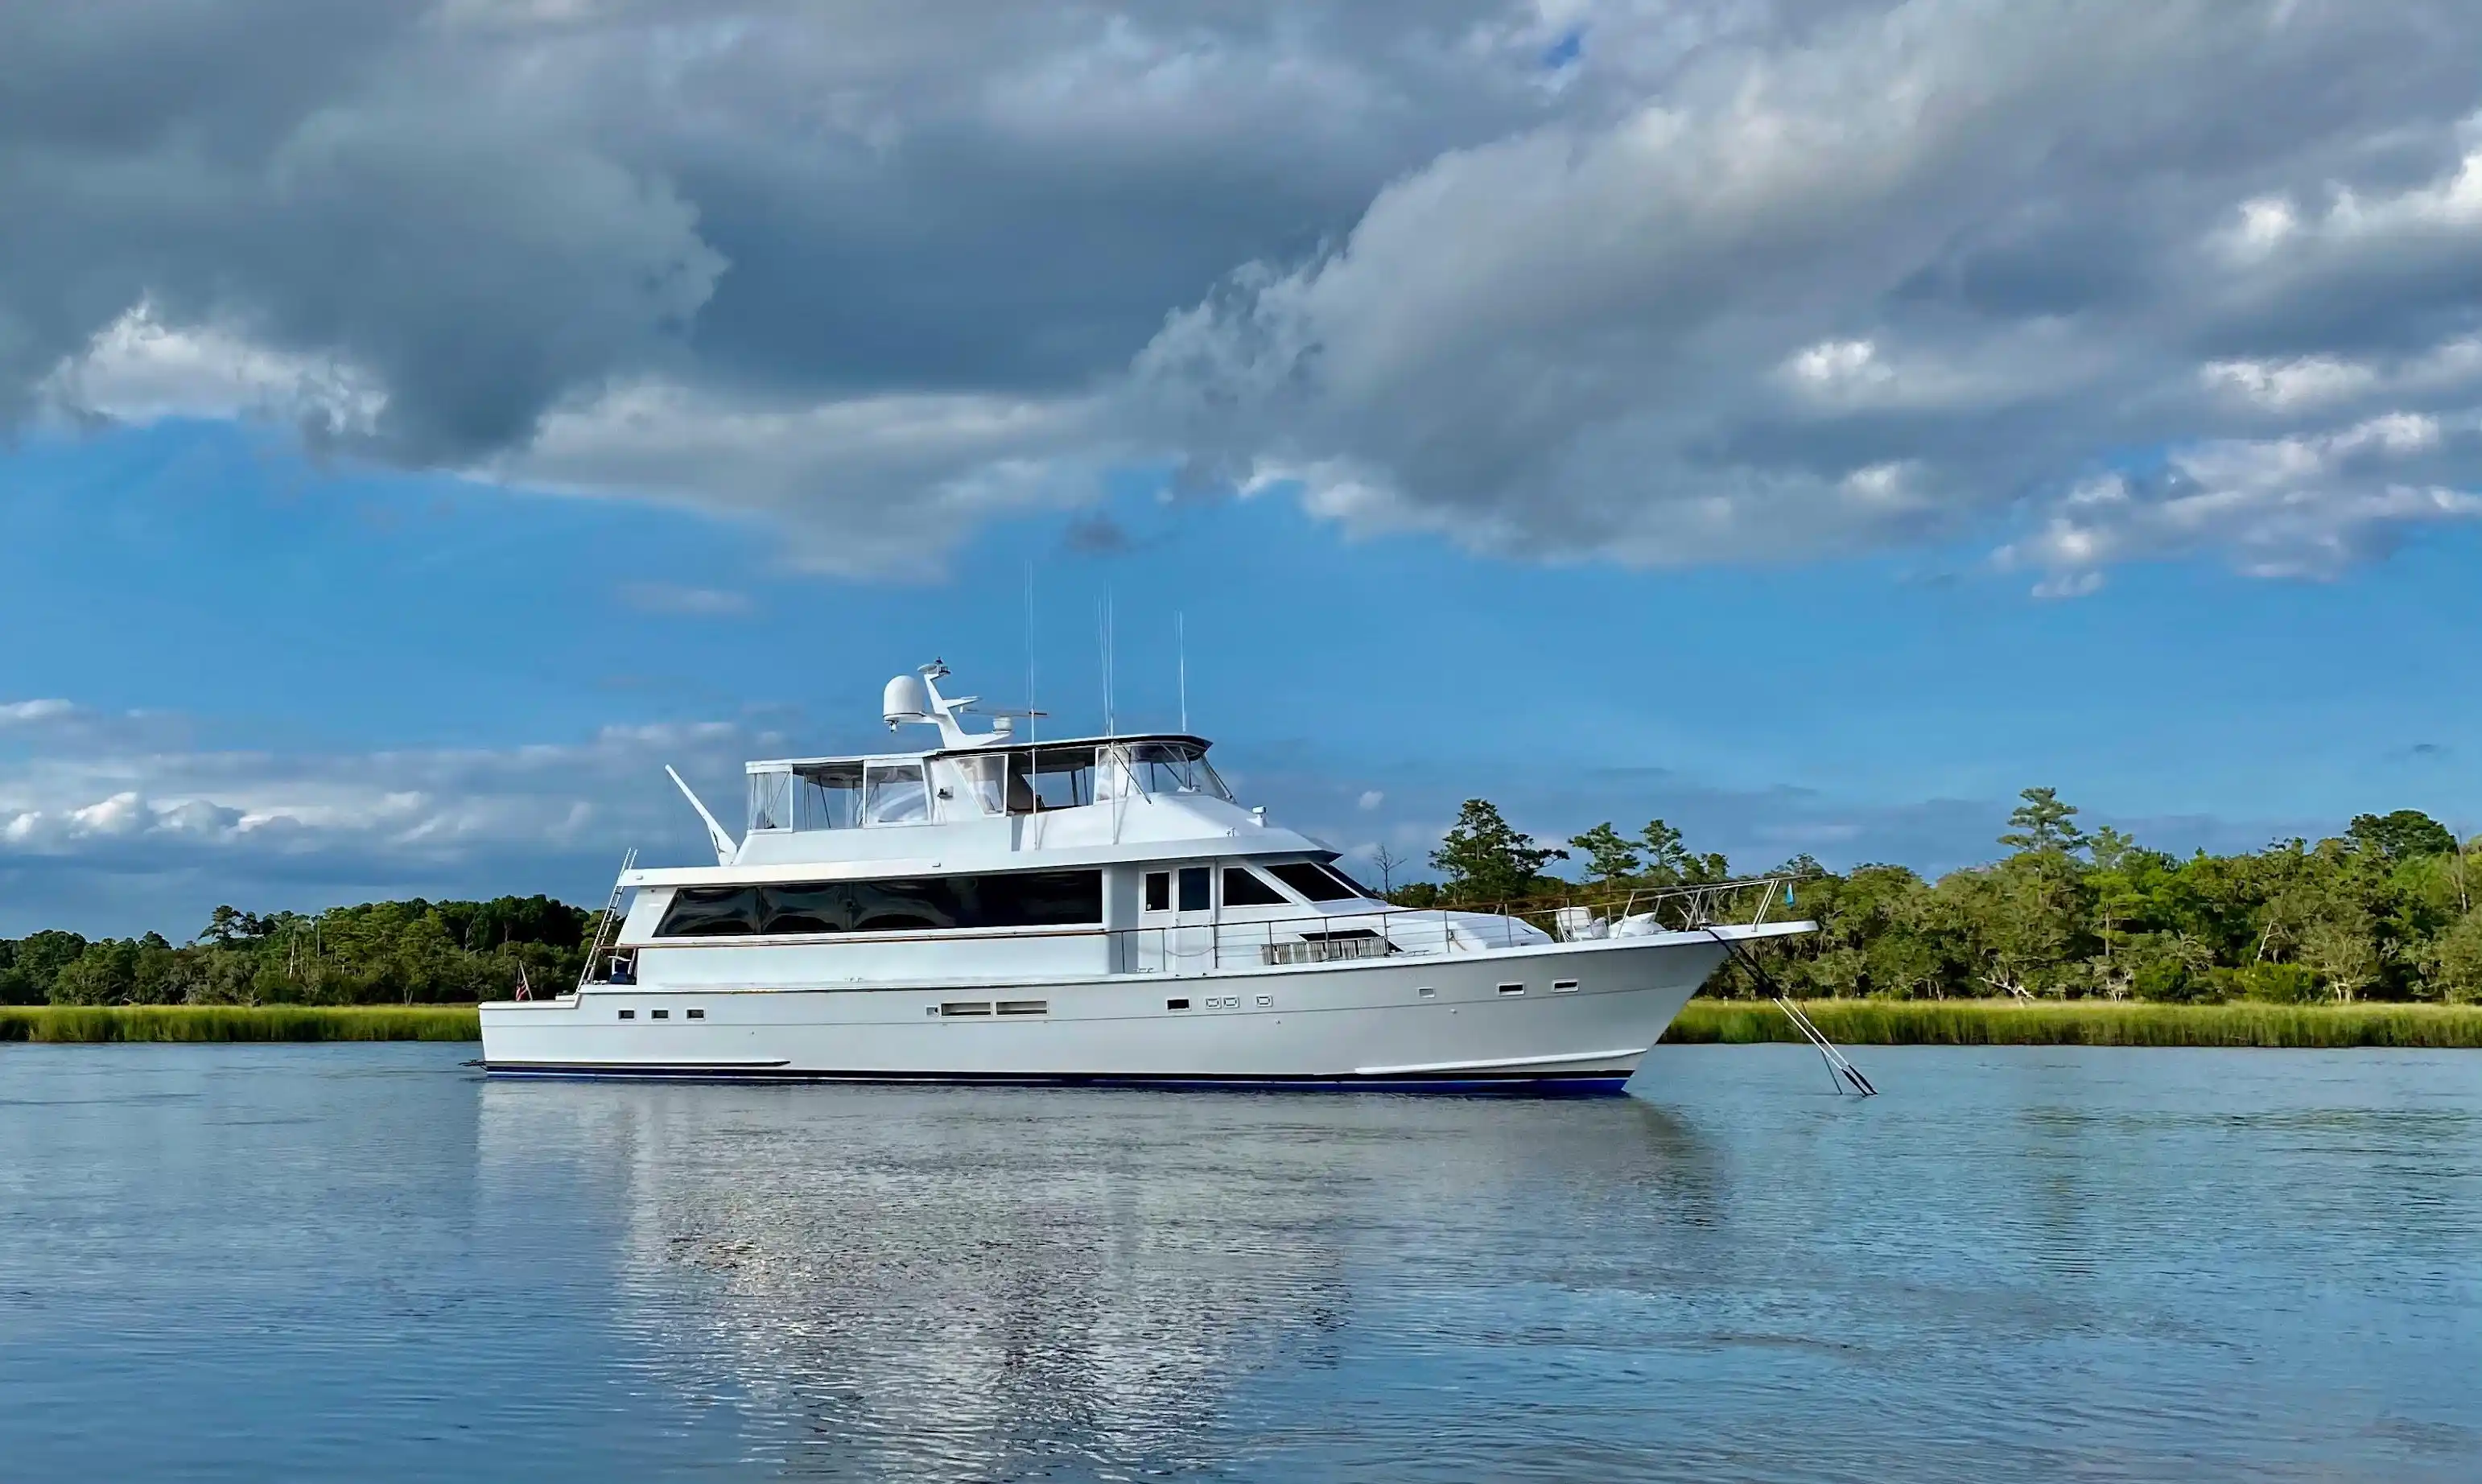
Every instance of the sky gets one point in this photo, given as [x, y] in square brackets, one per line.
[1810, 422]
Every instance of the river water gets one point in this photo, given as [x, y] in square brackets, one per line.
[339, 1262]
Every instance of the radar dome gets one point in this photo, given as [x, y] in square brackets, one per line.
[904, 701]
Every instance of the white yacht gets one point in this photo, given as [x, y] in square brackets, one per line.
[1091, 911]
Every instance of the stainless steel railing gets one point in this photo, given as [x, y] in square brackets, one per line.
[1382, 932]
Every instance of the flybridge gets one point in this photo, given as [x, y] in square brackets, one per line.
[973, 775]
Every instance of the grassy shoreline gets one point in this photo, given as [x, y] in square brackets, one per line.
[2086, 1022]
[1849, 1022]
[93, 1025]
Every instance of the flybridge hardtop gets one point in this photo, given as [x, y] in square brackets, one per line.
[1002, 907]
[980, 798]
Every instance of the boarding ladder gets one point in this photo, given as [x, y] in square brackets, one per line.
[607, 924]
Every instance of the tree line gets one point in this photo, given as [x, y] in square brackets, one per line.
[413, 952]
[2385, 911]
[2382, 911]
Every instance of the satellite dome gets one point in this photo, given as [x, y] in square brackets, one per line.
[904, 701]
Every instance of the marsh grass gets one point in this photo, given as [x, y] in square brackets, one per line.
[91, 1024]
[2086, 1022]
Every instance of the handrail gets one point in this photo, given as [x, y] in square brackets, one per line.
[1453, 929]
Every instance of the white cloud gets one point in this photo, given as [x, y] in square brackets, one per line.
[35, 713]
[138, 369]
[137, 807]
[1371, 799]
[2305, 506]
[2284, 385]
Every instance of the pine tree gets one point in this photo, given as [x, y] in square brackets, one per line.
[1486, 859]
[1609, 856]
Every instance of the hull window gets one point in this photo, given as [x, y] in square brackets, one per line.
[628, 1014]
[1175, 1004]
[697, 1015]
[1017, 899]
[1025, 1007]
[1564, 986]
[1512, 989]
[660, 1015]
[966, 1007]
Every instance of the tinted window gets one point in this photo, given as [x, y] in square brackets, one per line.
[1243, 888]
[1352, 887]
[1311, 881]
[812, 908]
[1194, 881]
[1014, 900]
[712, 911]
[1158, 890]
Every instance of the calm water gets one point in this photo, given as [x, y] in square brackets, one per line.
[345, 1262]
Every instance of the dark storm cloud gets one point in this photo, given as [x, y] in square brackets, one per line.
[1710, 281]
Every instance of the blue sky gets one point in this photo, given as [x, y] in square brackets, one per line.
[1812, 424]
[258, 604]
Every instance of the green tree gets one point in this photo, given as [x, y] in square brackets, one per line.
[1670, 863]
[2043, 823]
[33, 962]
[104, 974]
[2401, 835]
[2457, 961]
[1610, 858]
[1486, 859]
[229, 927]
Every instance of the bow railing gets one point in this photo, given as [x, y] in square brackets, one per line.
[1202, 947]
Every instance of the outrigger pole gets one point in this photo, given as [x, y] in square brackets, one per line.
[1838, 1070]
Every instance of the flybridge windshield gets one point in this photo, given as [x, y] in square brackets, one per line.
[944, 787]
[1175, 767]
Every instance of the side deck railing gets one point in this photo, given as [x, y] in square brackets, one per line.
[1472, 928]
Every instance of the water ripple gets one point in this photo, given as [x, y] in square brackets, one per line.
[361, 1261]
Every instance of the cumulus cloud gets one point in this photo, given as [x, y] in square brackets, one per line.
[2304, 506]
[91, 800]
[1712, 281]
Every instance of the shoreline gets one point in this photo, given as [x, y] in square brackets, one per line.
[1703, 1023]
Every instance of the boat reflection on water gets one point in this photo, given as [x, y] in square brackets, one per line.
[979, 1283]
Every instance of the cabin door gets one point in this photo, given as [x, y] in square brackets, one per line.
[1177, 921]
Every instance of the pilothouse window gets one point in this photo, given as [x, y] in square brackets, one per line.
[1243, 888]
[1312, 881]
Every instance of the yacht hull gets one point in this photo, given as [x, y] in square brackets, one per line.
[1501, 1020]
